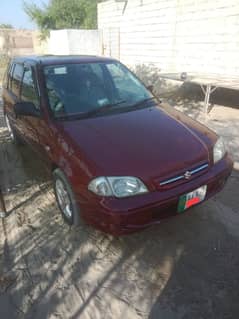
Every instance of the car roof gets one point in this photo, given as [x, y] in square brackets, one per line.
[61, 59]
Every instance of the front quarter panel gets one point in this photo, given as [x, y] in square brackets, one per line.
[73, 162]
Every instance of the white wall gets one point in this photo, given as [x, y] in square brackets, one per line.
[16, 42]
[58, 42]
[176, 35]
[85, 42]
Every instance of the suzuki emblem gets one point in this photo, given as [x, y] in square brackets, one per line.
[187, 175]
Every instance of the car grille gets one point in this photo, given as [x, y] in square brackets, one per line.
[187, 175]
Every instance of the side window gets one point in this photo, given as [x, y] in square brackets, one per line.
[29, 92]
[16, 78]
[8, 76]
[11, 69]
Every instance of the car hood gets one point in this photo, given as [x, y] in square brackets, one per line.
[146, 143]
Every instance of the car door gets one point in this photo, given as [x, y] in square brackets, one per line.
[36, 129]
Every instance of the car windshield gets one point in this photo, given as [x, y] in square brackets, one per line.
[88, 88]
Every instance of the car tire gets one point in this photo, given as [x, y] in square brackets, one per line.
[65, 198]
[13, 135]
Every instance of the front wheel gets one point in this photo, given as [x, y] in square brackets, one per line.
[65, 198]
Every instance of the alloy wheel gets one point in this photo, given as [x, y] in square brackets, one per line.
[63, 199]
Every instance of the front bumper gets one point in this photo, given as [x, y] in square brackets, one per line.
[122, 216]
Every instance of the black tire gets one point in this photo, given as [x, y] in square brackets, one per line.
[74, 219]
[13, 135]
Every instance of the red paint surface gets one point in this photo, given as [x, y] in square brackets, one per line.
[152, 144]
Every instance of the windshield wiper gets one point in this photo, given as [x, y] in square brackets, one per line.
[143, 101]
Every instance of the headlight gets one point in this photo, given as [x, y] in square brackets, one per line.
[124, 186]
[219, 150]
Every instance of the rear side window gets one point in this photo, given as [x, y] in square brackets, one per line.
[9, 80]
[29, 92]
[16, 78]
[6, 76]
[9, 75]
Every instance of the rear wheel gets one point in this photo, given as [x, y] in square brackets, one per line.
[65, 198]
[14, 137]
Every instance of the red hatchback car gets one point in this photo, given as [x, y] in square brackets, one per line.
[120, 160]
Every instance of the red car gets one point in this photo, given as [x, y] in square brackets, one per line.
[120, 160]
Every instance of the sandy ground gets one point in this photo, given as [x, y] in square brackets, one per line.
[187, 267]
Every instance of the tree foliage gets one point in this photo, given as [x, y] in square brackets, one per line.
[6, 26]
[62, 14]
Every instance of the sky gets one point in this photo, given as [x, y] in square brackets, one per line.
[11, 11]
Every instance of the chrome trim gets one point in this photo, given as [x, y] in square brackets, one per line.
[200, 168]
[171, 180]
[192, 172]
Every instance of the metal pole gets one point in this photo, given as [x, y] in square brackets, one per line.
[207, 98]
[3, 211]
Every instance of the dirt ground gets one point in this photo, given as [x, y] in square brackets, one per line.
[184, 268]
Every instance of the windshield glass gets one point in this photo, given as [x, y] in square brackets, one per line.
[78, 89]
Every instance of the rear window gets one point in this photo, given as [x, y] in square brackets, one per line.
[16, 78]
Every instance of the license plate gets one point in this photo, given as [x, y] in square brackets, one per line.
[192, 198]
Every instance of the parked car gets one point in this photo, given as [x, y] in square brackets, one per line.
[120, 160]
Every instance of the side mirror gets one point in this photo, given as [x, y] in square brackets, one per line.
[27, 109]
[150, 88]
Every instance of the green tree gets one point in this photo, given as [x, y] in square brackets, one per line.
[6, 26]
[62, 14]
